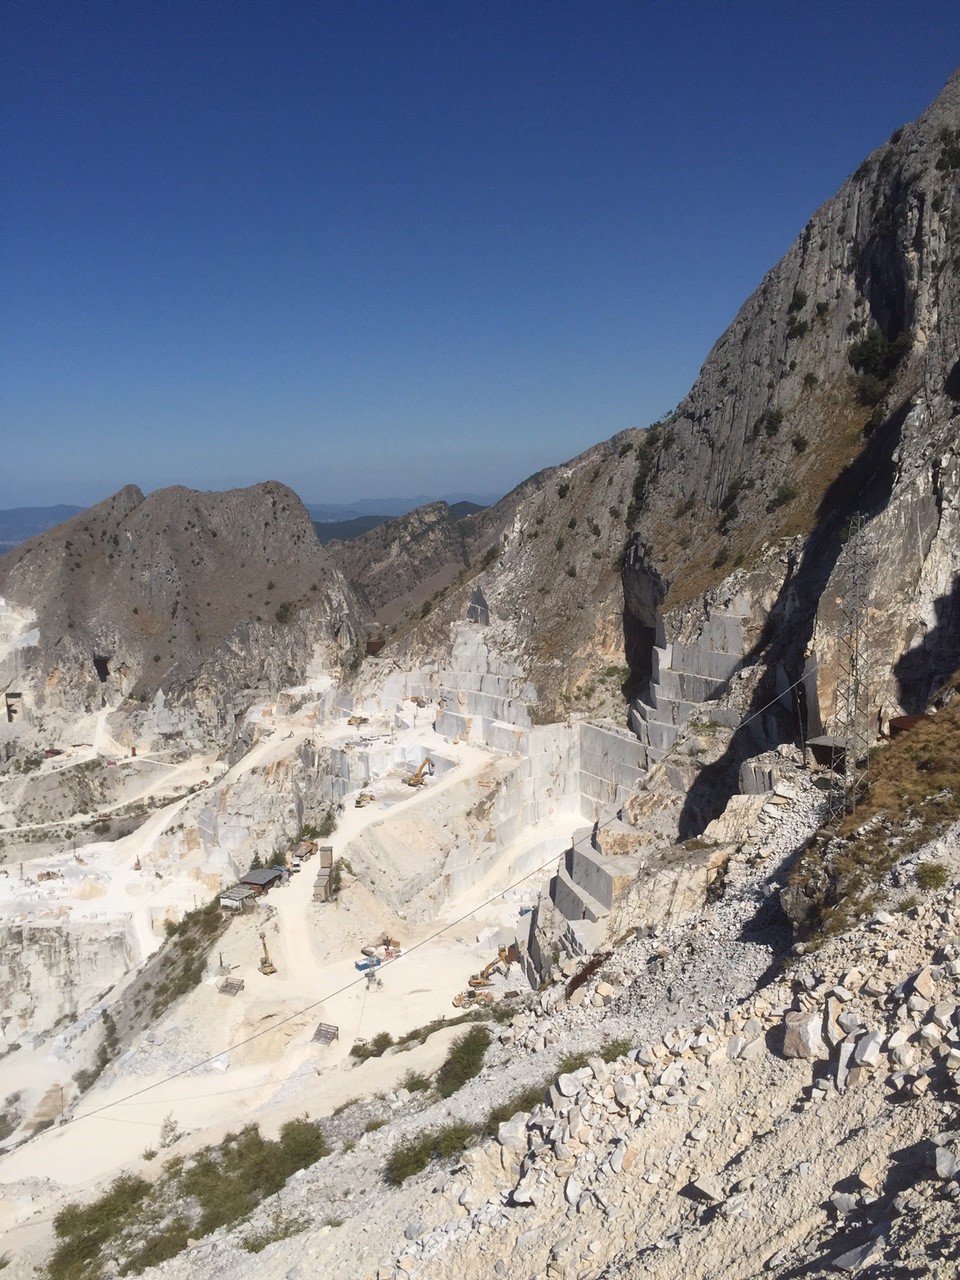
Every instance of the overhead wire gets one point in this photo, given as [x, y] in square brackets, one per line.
[416, 946]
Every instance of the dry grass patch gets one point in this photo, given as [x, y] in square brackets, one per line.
[835, 438]
[912, 797]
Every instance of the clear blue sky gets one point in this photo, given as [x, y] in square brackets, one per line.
[386, 247]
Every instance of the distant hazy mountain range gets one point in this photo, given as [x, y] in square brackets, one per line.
[331, 520]
[17, 524]
[321, 512]
[344, 530]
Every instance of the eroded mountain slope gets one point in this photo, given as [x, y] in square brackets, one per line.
[195, 593]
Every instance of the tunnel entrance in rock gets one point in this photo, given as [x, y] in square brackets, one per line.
[102, 666]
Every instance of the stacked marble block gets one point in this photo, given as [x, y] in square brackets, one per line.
[684, 677]
[485, 708]
[612, 762]
[589, 881]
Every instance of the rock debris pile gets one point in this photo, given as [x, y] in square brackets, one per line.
[700, 1151]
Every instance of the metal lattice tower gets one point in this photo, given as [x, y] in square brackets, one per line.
[854, 729]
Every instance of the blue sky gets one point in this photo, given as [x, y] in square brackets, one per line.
[398, 248]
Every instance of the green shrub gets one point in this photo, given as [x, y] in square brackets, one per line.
[464, 1060]
[877, 355]
[949, 158]
[345, 1106]
[158, 1248]
[83, 1230]
[414, 1082]
[931, 875]
[222, 1185]
[646, 463]
[11, 1115]
[525, 1100]
[785, 493]
[796, 328]
[374, 1048]
[798, 301]
[436, 1144]
[571, 1062]
[772, 422]
[870, 390]
[769, 422]
[799, 441]
[615, 1049]
[282, 1228]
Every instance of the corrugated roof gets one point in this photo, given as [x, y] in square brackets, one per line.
[262, 875]
[237, 892]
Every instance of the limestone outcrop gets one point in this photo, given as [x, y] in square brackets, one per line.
[818, 437]
[207, 596]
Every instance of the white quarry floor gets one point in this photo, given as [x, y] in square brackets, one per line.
[267, 1068]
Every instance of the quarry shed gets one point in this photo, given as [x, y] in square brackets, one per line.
[237, 897]
[262, 879]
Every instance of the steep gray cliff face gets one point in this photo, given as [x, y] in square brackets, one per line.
[543, 570]
[831, 401]
[878, 256]
[403, 561]
[54, 971]
[833, 398]
[204, 595]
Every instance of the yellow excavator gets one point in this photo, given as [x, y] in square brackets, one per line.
[482, 979]
[416, 779]
[266, 964]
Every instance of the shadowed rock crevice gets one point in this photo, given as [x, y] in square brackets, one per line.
[922, 670]
[643, 594]
[863, 487]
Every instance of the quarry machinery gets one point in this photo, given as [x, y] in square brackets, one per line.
[472, 998]
[482, 979]
[266, 964]
[416, 779]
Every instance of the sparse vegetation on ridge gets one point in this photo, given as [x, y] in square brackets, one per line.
[913, 795]
[142, 1225]
[463, 1062]
[452, 1140]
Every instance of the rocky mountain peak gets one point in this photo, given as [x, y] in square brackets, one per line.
[140, 593]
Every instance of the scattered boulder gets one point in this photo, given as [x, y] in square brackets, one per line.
[802, 1036]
